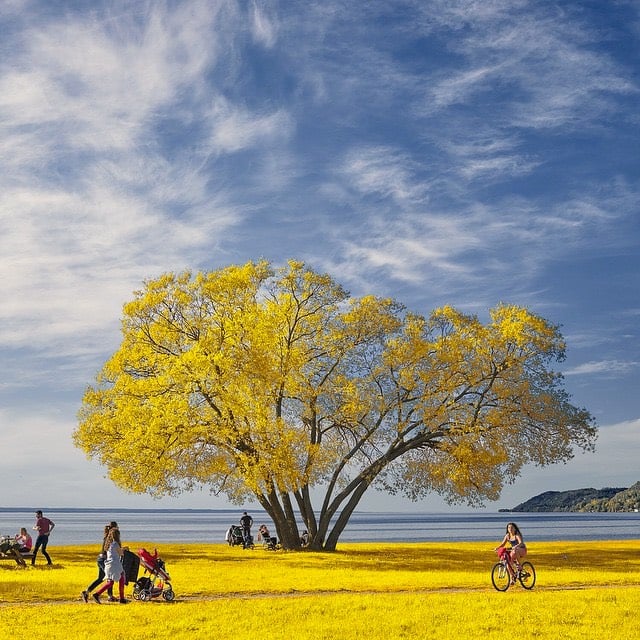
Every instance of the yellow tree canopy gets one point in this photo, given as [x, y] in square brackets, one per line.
[270, 382]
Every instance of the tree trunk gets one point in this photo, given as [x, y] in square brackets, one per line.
[307, 514]
[345, 515]
[323, 536]
[283, 517]
[352, 494]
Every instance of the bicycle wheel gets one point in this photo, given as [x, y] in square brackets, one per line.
[500, 577]
[527, 575]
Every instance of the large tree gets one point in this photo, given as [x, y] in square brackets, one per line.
[275, 384]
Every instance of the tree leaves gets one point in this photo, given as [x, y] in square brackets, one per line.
[273, 382]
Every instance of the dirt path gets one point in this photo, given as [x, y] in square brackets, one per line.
[309, 594]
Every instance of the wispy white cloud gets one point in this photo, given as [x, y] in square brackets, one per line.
[412, 237]
[545, 58]
[515, 72]
[608, 368]
[382, 171]
[489, 157]
[82, 254]
[263, 28]
[511, 74]
[90, 203]
[13, 7]
[235, 129]
[108, 96]
[409, 148]
[460, 86]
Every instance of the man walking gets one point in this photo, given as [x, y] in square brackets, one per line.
[246, 521]
[44, 527]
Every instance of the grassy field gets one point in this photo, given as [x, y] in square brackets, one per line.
[374, 591]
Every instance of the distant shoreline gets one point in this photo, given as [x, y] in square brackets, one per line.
[119, 509]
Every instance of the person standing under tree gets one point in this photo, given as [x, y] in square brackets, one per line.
[246, 521]
[44, 527]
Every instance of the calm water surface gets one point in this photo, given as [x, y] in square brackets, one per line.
[84, 526]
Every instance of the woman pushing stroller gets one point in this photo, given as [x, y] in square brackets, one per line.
[113, 569]
[102, 556]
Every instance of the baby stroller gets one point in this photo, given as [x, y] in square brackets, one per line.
[235, 537]
[157, 583]
[270, 543]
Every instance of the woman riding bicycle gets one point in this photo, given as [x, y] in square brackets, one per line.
[518, 547]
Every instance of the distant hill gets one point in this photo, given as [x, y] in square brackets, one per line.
[607, 499]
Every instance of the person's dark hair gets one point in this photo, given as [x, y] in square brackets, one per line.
[113, 524]
[515, 527]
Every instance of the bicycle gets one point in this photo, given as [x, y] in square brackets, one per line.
[525, 573]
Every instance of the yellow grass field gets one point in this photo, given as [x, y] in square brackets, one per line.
[584, 590]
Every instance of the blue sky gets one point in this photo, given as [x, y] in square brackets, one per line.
[456, 152]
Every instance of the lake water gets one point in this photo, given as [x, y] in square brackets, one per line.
[85, 526]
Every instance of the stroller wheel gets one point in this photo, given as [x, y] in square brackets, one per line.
[168, 595]
[145, 595]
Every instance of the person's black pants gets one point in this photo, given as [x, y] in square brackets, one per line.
[41, 542]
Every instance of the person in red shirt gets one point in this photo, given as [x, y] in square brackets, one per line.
[44, 527]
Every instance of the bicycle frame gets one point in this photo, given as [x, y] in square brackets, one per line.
[505, 573]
